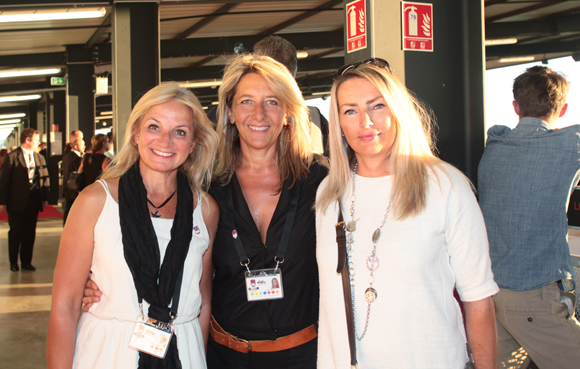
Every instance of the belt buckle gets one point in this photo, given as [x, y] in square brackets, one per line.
[241, 340]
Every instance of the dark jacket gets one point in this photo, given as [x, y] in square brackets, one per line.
[14, 184]
[70, 163]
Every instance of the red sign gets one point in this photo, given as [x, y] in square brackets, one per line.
[356, 25]
[417, 26]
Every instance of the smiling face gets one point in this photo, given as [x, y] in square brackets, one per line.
[365, 119]
[259, 115]
[166, 136]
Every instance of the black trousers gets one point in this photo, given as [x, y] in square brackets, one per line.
[301, 357]
[23, 230]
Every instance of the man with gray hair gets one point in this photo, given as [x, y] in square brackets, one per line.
[526, 176]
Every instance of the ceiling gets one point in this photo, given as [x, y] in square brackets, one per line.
[198, 37]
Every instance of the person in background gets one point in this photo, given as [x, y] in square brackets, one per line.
[111, 152]
[42, 150]
[95, 162]
[77, 134]
[414, 233]
[71, 162]
[526, 177]
[24, 190]
[145, 231]
[3, 153]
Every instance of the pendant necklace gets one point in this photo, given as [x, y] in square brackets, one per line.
[372, 263]
[156, 214]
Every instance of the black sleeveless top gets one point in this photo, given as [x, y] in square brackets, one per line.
[92, 171]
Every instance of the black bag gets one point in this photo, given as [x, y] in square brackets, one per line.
[76, 181]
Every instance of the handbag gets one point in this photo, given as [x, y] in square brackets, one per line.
[340, 269]
[76, 181]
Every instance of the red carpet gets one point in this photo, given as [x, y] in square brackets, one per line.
[49, 212]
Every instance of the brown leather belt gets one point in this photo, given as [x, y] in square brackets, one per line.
[241, 345]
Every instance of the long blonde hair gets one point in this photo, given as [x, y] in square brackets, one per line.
[411, 155]
[198, 166]
[294, 154]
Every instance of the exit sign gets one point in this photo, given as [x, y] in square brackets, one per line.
[57, 81]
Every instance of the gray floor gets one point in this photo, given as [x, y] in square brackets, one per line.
[25, 299]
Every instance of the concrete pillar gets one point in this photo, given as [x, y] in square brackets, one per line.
[136, 64]
[80, 101]
[450, 79]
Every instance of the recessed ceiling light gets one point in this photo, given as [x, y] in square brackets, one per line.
[501, 41]
[16, 115]
[19, 98]
[8, 121]
[517, 59]
[44, 15]
[28, 72]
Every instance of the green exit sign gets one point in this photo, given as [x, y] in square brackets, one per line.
[57, 81]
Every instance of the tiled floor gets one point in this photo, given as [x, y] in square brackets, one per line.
[25, 299]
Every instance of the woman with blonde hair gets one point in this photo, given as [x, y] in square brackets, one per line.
[145, 232]
[413, 232]
[265, 184]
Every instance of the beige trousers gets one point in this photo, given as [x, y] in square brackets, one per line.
[537, 322]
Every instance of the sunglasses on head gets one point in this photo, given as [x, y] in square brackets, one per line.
[382, 63]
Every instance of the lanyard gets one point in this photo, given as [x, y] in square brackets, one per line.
[279, 258]
[174, 301]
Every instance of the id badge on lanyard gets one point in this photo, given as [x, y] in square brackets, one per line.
[264, 284]
[151, 337]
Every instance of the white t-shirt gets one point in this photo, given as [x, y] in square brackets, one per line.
[415, 322]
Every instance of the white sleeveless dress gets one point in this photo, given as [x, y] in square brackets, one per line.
[104, 332]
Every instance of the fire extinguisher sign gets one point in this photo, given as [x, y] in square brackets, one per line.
[417, 26]
[356, 25]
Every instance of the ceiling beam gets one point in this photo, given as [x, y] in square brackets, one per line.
[216, 71]
[99, 32]
[32, 60]
[205, 21]
[225, 45]
[550, 26]
[522, 10]
[326, 6]
[502, 51]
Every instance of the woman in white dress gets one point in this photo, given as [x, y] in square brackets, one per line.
[414, 232]
[145, 232]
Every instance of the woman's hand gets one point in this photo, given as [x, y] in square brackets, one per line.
[91, 295]
[482, 332]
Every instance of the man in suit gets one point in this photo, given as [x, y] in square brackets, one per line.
[24, 186]
[75, 135]
[71, 163]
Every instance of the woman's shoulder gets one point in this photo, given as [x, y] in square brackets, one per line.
[449, 178]
[318, 169]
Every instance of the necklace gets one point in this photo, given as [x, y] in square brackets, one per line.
[372, 263]
[156, 214]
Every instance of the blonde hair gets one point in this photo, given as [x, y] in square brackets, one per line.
[294, 154]
[198, 166]
[411, 156]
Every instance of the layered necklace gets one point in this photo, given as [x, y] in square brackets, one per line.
[372, 262]
[156, 214]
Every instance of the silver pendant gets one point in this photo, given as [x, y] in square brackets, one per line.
[370, 294]
[351, 226]
[372, 263]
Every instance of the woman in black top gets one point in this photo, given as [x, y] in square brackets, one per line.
[95, 161]
[264, 164]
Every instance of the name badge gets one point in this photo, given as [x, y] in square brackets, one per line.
[151, 337]
[264, 284]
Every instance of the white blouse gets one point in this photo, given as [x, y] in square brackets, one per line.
[415, 321]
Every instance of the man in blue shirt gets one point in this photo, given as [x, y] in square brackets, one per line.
[526, 176]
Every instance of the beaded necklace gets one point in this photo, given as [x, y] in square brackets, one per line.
[372, 263]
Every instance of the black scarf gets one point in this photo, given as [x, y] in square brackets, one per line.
[141, 250]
